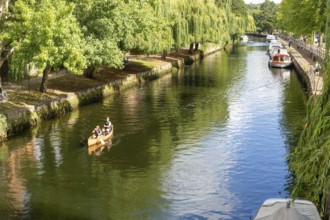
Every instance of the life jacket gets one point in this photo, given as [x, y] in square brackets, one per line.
[97, 132]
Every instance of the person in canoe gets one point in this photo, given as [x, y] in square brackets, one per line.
[97, 132]
[107, 126]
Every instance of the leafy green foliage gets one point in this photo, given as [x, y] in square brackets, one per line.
[302, 17]
[44, 33]
[264, 15]
[267, 17]
[76, 33]
[96, 19]
[239, 8]
[207, 21]
[142, 29]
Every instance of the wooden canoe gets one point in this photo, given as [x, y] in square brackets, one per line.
[96, 141]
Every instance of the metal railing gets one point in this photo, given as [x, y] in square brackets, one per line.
[315, 50]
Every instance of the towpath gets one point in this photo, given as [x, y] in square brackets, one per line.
[305, 62]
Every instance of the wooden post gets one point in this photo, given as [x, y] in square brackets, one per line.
[191, 47]
[327, 207]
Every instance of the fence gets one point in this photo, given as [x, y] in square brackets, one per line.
[316, 51]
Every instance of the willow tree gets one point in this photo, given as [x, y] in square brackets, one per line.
[113, 27]
[200, 21]
[163, 12]
[180, 25]
[214, 22]
[310, 159]
[46, 34]
[239, 20]
[144, 27]
[207, 23]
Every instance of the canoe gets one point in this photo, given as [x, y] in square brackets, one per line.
[96, 141]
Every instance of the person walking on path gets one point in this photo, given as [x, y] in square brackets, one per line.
[317, 68]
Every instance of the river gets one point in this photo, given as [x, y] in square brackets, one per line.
[208, 142]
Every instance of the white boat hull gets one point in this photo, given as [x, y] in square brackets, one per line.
[244, 38]
[286, 209]
[280, 64]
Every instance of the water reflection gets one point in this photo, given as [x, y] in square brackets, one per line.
[282, 74]
[13, 184]
[98, 148]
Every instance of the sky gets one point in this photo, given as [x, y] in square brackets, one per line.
[260, 1]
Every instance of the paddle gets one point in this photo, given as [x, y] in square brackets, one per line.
[102, 141]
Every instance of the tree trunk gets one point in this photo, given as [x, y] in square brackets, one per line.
[164, 54]
[3, 94]
[196, 46]
[0, 86]
[43, 86]
[191, 48]
[89, 72]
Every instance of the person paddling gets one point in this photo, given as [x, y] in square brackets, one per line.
[107, 126]
[97, 132]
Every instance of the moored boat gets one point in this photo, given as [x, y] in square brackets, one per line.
[244, 38]
[287, 209]
[274, 47]
[270, 37]
[280, 60]
[101, 140]
[274, 44]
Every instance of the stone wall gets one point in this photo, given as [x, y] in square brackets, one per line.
[14, 122]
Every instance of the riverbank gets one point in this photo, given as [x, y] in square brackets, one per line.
[26, 107]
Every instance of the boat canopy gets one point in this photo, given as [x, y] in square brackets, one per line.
[281, 57]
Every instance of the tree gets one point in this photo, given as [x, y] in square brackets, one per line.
[3, 54]
[113, 27]
[202, 21]
[46, 34]
[144, 27]
[96, 19]
[268, 16]
[264, 15]
[302, 17]
[239, 8]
